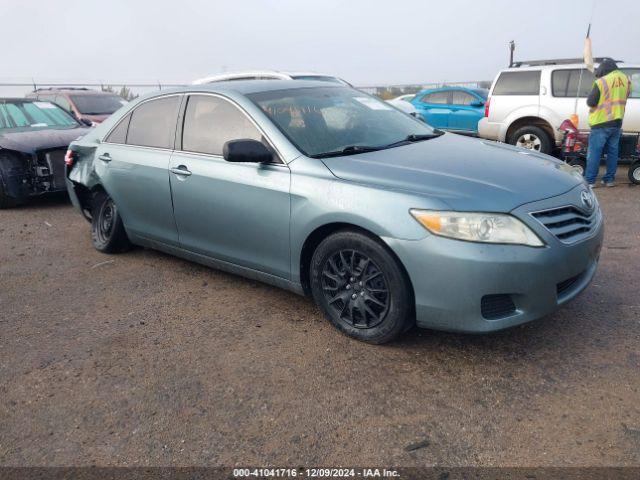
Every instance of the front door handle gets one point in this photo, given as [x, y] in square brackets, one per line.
[105, 157]
[180, 170]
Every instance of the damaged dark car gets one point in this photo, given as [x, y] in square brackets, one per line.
[34, 137]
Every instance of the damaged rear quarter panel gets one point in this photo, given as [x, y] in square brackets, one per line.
[83, 171]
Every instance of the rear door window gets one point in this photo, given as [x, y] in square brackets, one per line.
[565, 83]
[436, 97]
[518, 83]
[459, 97]
[153, 123]
[210, 122]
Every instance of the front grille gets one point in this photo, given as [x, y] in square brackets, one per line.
[566, 285]
[494, 307]
[568, 224]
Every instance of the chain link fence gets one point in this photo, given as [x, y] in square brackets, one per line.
[19, 89]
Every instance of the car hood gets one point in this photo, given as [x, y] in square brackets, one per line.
[29, 141]
[465, 173]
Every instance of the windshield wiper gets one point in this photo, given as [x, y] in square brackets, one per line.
[350, 150]
[416, 137]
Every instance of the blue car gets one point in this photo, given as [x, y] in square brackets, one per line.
[452, 108]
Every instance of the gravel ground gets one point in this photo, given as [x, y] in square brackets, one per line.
[145, 359]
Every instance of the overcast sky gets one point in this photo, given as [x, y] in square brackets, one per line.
[365, 42]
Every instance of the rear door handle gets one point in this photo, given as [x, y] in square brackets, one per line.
[180, 170]
[105, 157]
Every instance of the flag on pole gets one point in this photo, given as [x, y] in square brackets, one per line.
[588, 52]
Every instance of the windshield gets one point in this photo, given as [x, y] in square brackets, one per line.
[482, 92]
[330, 119]
[25, 114]
[97, 104]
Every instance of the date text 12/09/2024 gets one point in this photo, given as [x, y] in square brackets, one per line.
[315, 473]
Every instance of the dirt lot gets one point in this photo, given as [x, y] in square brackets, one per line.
[145, 359]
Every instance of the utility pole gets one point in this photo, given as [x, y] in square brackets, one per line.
[512, 48]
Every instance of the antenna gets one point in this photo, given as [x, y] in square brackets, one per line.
[512, 48]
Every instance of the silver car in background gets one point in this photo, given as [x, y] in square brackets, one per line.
[326, 191]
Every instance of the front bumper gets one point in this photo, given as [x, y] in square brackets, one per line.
[450, 277]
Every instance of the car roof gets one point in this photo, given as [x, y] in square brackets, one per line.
[17, 100]
[454, 87]
[74, 91]
[564, 66]
[247, 87]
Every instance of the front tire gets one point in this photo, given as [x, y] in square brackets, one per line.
[532, 138]
[107, 231]
[361, 288]
[6, 201]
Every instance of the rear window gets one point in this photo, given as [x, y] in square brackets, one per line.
[518, 83]
[565, 83]
[153, 124]
[634, 77]
[97, 104]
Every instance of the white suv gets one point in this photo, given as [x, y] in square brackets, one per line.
[528, 102]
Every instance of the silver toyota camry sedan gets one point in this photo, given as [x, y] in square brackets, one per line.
[326, 191]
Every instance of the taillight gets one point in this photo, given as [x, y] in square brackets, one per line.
[69, 158]
[569, 141]
[486, 107]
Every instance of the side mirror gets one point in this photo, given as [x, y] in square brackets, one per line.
[477, 104]
[246, 151]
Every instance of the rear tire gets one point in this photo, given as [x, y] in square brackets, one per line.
[532, 138]
[107, 231]
[361, 288]
[634, 172]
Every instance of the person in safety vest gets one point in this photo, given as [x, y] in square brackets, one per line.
[607, 101]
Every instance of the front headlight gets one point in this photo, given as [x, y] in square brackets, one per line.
[477, 227]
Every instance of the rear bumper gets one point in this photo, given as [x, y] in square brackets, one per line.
[491, 130]
[73, 196]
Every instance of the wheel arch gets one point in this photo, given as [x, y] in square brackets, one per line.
[320, 233]
[15, 166]
[530, 121]
[85, 196]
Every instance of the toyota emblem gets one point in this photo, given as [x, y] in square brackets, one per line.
[587, 199]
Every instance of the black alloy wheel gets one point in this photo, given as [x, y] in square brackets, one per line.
[361, 287]
[355, 288]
